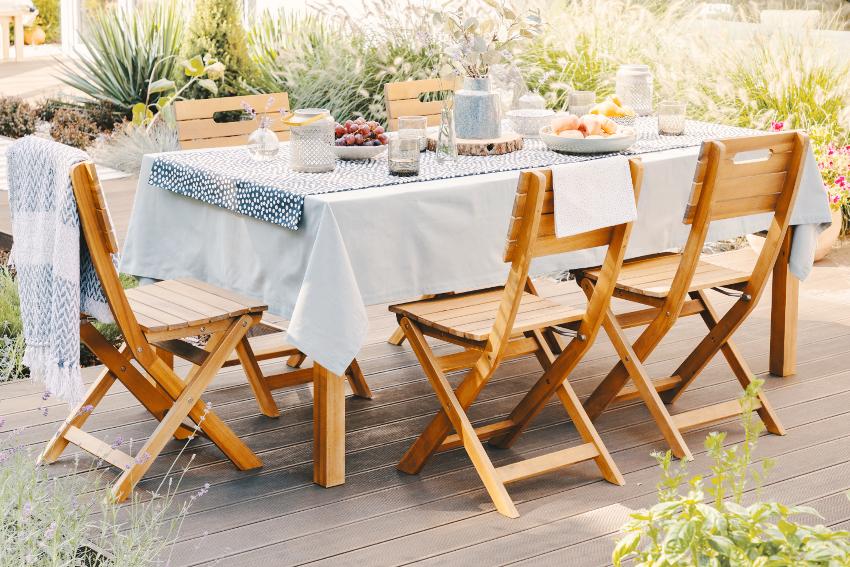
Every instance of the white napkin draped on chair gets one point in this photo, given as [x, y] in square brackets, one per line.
[592, 194]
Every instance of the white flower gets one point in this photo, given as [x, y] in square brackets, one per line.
[216, 70]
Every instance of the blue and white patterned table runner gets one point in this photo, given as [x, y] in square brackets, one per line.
[272, 192]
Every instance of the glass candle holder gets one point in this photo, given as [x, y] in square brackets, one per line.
[414, 127]
[580, 102]
[403, 155]
[671, 118]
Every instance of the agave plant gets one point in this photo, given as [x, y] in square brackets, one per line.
[122, 49]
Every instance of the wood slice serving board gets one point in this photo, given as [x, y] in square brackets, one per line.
[495, 146]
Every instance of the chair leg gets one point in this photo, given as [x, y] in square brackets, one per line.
[357, 381]
[456, 414]
[186, 404]
[78, 416]
[740, 368]
[296, 360]
[440, 427]
[542, 391]
[645, 387]
[258, 384]
[397, 337]
[588, 433]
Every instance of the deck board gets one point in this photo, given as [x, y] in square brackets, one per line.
[276, 516]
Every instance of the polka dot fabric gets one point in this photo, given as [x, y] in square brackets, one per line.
[270, 191]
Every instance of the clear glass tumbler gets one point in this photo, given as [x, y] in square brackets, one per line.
[414, 127]
[403, 155]
[580, 102]
[671, 118]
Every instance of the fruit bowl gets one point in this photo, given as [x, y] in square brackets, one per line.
[618, 142]
[359, 139]
[358, 152]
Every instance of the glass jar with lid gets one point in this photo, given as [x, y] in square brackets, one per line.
[311, 147]
[634, 88]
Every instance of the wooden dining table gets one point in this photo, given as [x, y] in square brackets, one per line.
[376, 245]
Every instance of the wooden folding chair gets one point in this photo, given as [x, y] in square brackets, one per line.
[507, 322]
[726, 185]
[197, 126]
[153, 319]
[404, 99]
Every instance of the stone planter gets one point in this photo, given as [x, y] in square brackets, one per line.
[827, 238]
[477, 110]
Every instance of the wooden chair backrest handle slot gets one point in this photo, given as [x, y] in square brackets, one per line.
[405, 99]
[197, 126]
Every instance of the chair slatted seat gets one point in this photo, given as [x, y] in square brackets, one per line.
[152, 320]
[514, 320]
[734, 178]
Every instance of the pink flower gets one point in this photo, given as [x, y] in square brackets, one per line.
[777, 126]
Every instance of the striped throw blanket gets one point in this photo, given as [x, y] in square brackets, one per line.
[56, 278]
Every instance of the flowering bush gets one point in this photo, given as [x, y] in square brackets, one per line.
[55, 516]
[834, 165]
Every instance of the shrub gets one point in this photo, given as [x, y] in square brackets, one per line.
[102, 114]
[122, 48]
[216, 30]
[17, 117]
[49, 19]
[684, 529]
[74, 128]
[338, 64]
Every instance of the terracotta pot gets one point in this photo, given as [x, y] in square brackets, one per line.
[828, 237]
[34, 36]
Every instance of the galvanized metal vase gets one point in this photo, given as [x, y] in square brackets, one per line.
[477, 111]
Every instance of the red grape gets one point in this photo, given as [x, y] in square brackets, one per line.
[382, 138]
[339, 130]
[378, 129]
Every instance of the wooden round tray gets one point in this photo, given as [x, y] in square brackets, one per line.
[496, 146]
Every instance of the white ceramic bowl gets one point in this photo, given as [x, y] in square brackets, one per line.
[618, 142]
[359, 152]
[527, 122]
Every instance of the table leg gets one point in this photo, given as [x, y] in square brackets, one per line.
[19, 38]
[328, 427]
[784, 314]
[4, 37]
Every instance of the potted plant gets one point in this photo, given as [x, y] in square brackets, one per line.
[476, 42]
[834, 166]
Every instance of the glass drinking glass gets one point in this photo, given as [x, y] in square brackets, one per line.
[580, 102]
[413, 127]
[671, 118]
[403, 155]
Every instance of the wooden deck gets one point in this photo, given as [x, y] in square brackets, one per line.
[276, 516]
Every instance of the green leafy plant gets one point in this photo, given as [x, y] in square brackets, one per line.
[17, 117]
[11, 329]
[216, 29]
[122, 48]
[711, 526]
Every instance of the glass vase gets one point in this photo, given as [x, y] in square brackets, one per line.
[263, 144]
[446, 144]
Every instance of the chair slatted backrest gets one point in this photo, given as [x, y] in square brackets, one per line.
[197, 128]
[99, 234]
[531, 234]
[738, 177]
[404, 99]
